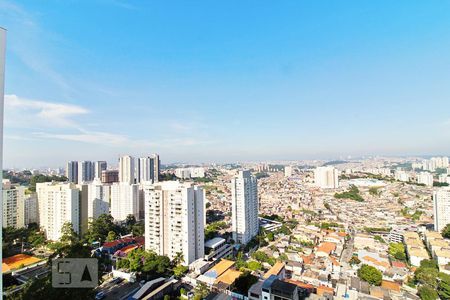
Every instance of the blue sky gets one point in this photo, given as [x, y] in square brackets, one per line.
[225, 81]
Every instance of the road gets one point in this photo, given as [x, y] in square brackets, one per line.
[348, 251]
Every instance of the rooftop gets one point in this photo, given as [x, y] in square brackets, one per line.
[213, 243]
[229, 277]
[275, 270]
[220, 268]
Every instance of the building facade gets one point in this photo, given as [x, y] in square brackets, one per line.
[326, 177]
[72, 171]
[126, 169]
[99, 167]
[12, 197]
[425, 178]
[245, 207]
[110, 176]
[124, 201]
[174, 220]
[441, 208]
[98, 199]
[58, 203]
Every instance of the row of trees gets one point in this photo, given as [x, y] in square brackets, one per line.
[432, 283]
[352, 193]
[151, 265]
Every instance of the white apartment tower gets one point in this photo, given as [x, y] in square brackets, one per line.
[326, 177]
[244, 195]
[124, 200]
[126, 169]
[145, 169]
[58, 203]
[99, 166]
[174, 220]
[425, 178]
[12, 196]
[98, 199]
[441, 208]
[288, 171]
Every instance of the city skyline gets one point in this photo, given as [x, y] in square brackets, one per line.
[219, 83]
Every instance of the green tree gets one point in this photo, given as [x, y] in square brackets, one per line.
[254, 266]
[111, 236]
[354, 260]
[179, 271]
[370, 274]
[68, 235]
[427, 293]
[397, 250]
[99, 228]
[201, 290]
[429, 263]
[426, 276]
[138, 229]
[446, 231]
[130, 221]
[244, 282]
[374, 191]
[444, 289]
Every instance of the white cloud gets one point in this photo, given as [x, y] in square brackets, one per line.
[21, 112]
[92, 137]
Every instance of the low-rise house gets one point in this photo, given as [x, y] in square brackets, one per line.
[362, 241]
[325, 249]
[415, 249]
[278, 270]
[443, 256]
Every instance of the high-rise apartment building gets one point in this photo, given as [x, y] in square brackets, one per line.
[441, 208]
[12, 199]
[30, 210]
[326, 177]
[288, 171]
[98, 199]
[58, 203]
[72, 171]
[86, 171]
[156, 167]
[174, 220]
[401, 176]
[145, 169]
[126, 169]
[99, 167]
[244, 196]
[425, 178]
[440, 162]
[124, 200]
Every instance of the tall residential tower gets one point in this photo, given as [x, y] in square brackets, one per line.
[174, 220]
[244, 195]
[441, 208]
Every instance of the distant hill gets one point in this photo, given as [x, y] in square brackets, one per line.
[335, 162]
